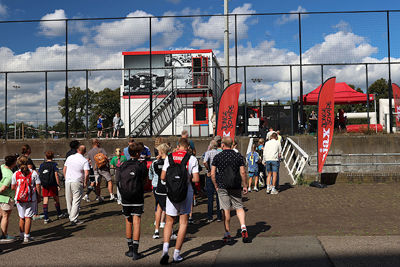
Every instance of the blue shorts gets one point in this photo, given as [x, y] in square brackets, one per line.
[253, 174]
[272, 166]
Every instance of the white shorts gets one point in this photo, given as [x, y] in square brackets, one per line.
[181, 208]
[27, 209]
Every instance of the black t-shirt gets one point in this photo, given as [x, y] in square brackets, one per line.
[30, 162]
[226, 158]
[71, 152]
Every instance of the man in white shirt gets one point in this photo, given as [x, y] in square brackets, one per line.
[76, 173]
[271, 156]
[271, 131]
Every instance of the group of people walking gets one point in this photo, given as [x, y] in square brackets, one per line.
[175, 176]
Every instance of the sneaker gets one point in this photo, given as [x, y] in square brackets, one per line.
[86, 198]
[194, 202]
[174, 237]
[46, 221]
[100, 199]
[37, 217]
[255, 189]
[77, 222]
[136, 255]
[164, 259]
[63, 216]
[249, 189]
[28, 239]
[274, 191]
[112, 197]
[7, 238]
[178, 259]
[162, 224]
[156, 235]
[210, 220]
[129, 253]
[219, 220]
[190, 221]
[227, 239]
[268, 189]
[245, 236]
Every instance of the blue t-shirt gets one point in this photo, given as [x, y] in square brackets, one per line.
[252, 159]
[146, 152]
[99, 122]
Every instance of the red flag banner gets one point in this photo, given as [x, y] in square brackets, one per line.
[396, 97]
[228, 108]
[326, 119]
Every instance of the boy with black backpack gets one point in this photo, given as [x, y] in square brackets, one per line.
[48, 175]
[228, 175]
[131, 178]
[177, 171]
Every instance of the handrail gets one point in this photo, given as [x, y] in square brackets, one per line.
[304, 154]
[295, 163]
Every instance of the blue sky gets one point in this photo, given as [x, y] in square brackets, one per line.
[332, 38]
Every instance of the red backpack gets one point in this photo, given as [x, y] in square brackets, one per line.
[25, 189]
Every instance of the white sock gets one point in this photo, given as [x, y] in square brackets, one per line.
[243, 227]
[165, 248]
[27, 235]
[177, 255]
[273, 187]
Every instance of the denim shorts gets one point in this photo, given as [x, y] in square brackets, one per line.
[272, 166]
[253, 174]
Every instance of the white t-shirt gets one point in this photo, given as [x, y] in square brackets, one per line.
[192, 168]
[269, 134]
[76, 166]
[35, 181]
[272, 149]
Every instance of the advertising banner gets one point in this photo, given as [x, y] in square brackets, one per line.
[326, 119]
[228, 108]
[396, 98]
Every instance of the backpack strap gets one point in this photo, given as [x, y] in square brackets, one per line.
[171, 160]
[185, 159]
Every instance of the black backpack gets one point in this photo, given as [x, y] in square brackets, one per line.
[47, 175]
[158, 165]
[130, 182]
[232, 178]
[177, 179]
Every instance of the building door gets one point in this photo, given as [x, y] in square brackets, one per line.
[200, 72]
[200, 112]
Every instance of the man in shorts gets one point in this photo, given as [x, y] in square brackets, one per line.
[230, 199]
[181, 209]
[100, 172]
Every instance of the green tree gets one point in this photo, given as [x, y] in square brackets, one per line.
[380, 88]
[107, 103]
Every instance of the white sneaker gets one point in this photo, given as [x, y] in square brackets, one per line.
[112, 197]
[255, 189]
[156, 235]
[268, 189]
[274, 191]
[162, 224]
[86, 198]
[174, 237]
[27, 239]
[249, 189]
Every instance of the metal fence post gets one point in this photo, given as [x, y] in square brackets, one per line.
[390, 75]
[173, 101]
[322, 73]
[236, 52]
[291, 103]
[151, 84]
[46, 102]
[245, 100]
[66, 81]
[5, 108]
[129, 102]
[301, 77]
[87, 104]
[366, 84]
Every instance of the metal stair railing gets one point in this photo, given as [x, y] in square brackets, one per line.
[295, 159]
[144, 109]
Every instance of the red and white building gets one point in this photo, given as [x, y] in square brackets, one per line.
[185, 87]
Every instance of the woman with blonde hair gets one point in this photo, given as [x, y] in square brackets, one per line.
[159, 187]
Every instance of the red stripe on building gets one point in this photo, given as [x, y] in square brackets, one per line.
[162, 96]
[135, 53]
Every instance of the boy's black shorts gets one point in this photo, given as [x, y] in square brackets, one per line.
[129, 211]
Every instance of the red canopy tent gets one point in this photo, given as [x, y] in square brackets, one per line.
[344, 94]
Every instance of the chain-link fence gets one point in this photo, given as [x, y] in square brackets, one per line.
[58, 76]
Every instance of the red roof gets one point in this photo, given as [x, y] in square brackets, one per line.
[189, 51]
[344, 94]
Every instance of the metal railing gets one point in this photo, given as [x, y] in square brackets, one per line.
[295, 159]
[374, 162]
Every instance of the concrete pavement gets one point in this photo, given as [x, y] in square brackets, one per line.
[311, 251]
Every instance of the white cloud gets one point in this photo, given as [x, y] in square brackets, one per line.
[203, 44]
[53, 28]
[214, 27]
[3, 10]
[134, 32]
[293, 17]
[342, 26]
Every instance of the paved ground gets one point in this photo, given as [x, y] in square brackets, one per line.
[342, 225]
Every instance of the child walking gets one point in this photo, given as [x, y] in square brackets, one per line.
[252, 162]
[48, 175]
[131, 178]
[26, 184]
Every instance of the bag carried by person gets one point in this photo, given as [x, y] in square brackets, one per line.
[47, 175]
[130, 184]
[232, 178]
[120, 123]
[25, 188]
[177, 179]
[101, 160]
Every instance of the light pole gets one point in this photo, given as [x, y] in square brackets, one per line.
[16, 86]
